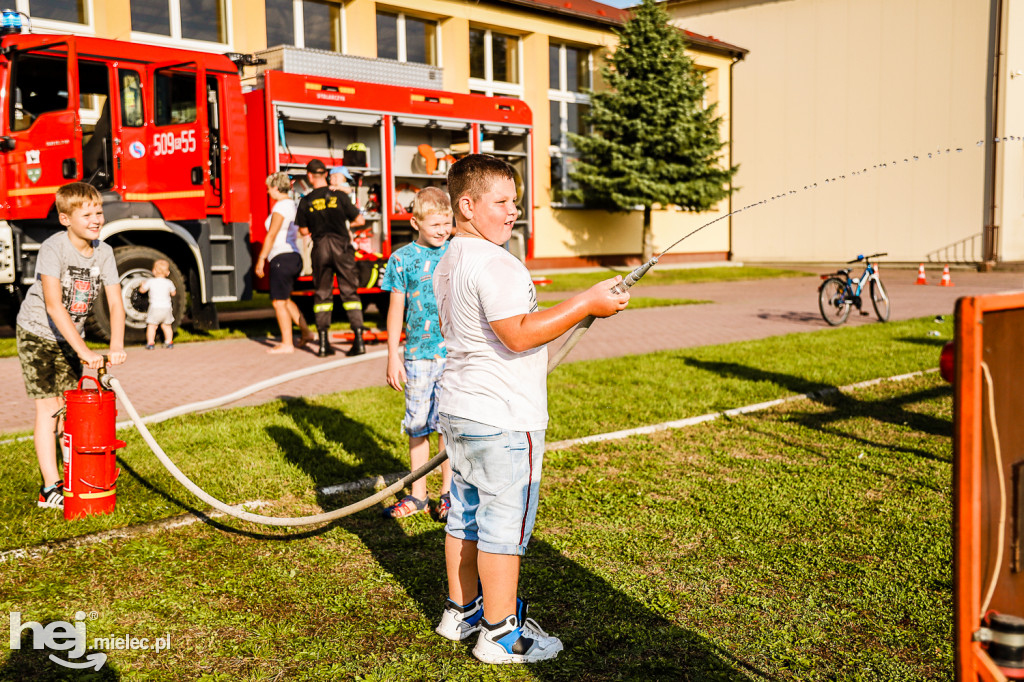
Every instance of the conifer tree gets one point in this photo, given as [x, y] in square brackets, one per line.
[652, 140]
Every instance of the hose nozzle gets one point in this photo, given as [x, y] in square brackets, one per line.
[102, 376]
[633, 277]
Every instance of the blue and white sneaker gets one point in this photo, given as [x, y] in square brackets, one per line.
[459, 622]
[517, 639]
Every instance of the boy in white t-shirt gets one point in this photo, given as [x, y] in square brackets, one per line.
[160, 313]
[493, 410]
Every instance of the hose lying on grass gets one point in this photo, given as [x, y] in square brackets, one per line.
[113, 384]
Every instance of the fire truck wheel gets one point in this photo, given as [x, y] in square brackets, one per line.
[135, 264]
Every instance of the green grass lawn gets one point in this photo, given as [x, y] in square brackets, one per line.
[667, 275]
[808, 542]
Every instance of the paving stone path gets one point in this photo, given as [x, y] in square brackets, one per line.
[163, 379]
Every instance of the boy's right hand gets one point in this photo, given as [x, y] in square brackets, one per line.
[91, 359]
[396, 373]
[601, 302]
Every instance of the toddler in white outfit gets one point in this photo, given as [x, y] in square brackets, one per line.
[160, 314]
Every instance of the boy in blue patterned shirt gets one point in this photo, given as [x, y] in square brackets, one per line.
[409, 278]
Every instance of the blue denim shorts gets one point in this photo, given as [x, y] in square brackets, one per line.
[422, 390]
[495, 483]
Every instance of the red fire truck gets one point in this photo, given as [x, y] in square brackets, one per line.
[179, 144]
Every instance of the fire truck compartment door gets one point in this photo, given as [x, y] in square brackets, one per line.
[176, 151]
[317, 115]
[42, 124]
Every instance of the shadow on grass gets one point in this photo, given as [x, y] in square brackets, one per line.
[805, 318]
[212, 522]
[934, 341]
[735, 370]
[607, 634]
[309, 446]
[844, 406]
[28, 663]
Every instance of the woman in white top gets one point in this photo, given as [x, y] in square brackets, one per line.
[281, 250]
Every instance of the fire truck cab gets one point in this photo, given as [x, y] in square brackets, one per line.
[159, 131]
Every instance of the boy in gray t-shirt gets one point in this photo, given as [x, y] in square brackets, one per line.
[71, 267]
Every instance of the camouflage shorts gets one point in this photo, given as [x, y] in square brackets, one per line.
[48, 367]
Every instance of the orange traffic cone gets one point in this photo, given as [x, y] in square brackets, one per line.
[946, 281]
[920, 275]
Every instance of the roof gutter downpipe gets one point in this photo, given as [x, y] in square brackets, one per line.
[732, 108]
[993, 173]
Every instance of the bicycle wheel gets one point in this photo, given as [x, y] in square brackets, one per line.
[880, 300]
[832, 301]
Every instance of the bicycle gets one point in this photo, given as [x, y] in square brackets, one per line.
[839, 292]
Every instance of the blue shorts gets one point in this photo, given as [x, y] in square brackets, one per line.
[422, 390]
[495, 484]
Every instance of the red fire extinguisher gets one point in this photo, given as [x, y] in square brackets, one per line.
[90, 451]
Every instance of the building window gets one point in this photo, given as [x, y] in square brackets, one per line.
[569, 74]
[280, 22]
[200, 20]
[407, 38]
[304, 23]
[75, 12]
[494, 63]
[58, 13]
[321, 25]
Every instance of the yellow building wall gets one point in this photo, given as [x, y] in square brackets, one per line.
[361, 28]
[113, 19]
[455, 53]
[833, 87]
[1010, 157]
[248, 26]
[560, 234]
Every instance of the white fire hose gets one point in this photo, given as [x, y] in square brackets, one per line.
[116, 387]
[113, 384]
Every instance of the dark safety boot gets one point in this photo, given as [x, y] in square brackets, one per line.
[325, 348]
[358, 347]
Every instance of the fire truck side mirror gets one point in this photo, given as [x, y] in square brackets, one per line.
[69, 168]
[7, 144]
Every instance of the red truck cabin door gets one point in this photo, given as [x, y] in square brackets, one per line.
[175, 152]
[44, 149]
[133, 132]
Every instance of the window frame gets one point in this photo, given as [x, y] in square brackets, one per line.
[299, 26]
[55, 26]
[176, 39]
[403, 50]
[487, 85]
[15, 84]
[564, 97]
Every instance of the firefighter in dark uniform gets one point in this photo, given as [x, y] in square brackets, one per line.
[325, 214]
